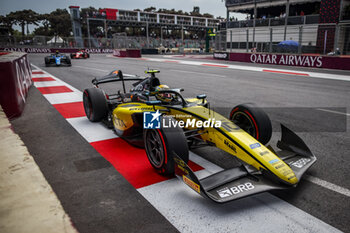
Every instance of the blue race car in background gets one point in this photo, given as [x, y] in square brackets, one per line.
[58, 59]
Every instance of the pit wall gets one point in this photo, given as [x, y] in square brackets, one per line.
[16, 79]
[312, 61]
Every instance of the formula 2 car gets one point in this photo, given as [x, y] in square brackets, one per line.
[80, 54]
[166, 124]
[57, 59]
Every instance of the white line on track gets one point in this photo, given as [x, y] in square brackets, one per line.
[91, 132]
[89, 68]
[250, 68]
[328, 185]
[331, 111]
[198, 73]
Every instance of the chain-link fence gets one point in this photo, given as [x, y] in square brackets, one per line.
[119, 40]
[332, 39]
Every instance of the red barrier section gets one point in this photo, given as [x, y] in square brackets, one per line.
[328, 62]
[16, 74]
[127, 53]
[133, 52]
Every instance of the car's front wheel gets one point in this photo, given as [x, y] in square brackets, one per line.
[161, 144]
[253, 120]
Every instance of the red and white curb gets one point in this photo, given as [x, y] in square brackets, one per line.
[185, 209]
[250, 68]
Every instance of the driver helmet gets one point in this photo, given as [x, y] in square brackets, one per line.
[57, 52]
[164, 97]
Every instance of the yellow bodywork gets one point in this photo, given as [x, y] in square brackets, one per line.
[228, 137]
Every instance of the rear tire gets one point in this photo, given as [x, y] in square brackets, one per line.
[160, 145]
[47, 61]
[253, 120]
[95, 104]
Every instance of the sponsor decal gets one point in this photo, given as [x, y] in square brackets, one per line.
[119, 122]
[222, 56]
[255, 145]
[293, 176]
[224, 192]
[227, 192]
[48, 50]
[291, 60]
[232, 147]
[273, 161]
[264, 153]
[139, 109]
[191, 184]
[229, 126]
[151, 120]
[280, 166]
[300, 162]
[287, 172]
[181, 165]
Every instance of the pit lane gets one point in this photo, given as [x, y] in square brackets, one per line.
[325, 133]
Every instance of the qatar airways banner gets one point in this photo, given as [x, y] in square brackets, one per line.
[329, 62]
[52, 50]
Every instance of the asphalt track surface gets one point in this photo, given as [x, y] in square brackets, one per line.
[98, 198]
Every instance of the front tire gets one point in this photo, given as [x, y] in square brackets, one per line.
[95, 104]
[253, 120]
[160, 145]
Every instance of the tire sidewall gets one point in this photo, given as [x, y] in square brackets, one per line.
[173, 140]
[259, 118]
[95, 104]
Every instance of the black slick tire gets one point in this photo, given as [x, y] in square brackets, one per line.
[95, 104]
[253, 120]
[160, 145]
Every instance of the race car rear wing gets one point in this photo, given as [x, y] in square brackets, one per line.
[116, 76]
[239, 182]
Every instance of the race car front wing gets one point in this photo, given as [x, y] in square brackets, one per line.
[239, 182]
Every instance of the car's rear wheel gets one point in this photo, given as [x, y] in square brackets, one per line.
[253, 120]
[160, 145]
[95, 104]
[68, 60]
[47, 61]
[71, 55]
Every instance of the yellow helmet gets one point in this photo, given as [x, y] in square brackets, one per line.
[164, 97]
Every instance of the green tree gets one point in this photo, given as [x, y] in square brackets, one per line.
[60, 22]
[7, 23]
[24, 18]
[150, 9]
[45, 29]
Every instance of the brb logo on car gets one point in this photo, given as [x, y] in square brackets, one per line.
[151, 120]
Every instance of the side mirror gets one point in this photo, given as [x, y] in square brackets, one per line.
[153, 102]
[202, 97]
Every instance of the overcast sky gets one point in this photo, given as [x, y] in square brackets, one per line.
[214, 7]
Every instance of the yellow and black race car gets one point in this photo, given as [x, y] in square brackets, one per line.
[166, 124]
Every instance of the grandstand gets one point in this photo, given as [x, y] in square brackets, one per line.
[320, 26]
[149, 22]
